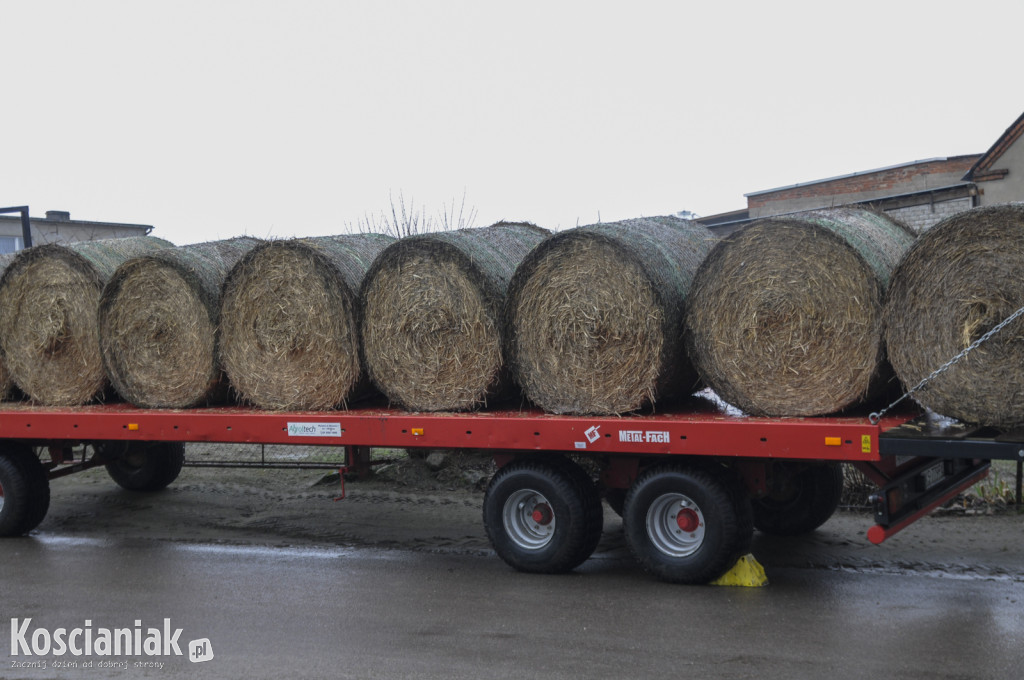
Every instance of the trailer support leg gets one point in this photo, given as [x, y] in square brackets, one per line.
[359, 461]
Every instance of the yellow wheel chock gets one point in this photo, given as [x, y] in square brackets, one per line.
[747, 572]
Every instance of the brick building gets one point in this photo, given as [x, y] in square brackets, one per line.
[920, 193]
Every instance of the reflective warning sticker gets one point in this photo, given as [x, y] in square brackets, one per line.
[314, 429]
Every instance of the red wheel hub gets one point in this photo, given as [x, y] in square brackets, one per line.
[542, 514]
[688, 520]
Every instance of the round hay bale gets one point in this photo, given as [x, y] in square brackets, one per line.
[48, 300]
[785, 315]
[594, 315]
[290, 317]
[432, 315]
[158, 324]
[958, 281]
[6, 384]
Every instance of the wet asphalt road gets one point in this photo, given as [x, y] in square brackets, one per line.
[368, 613]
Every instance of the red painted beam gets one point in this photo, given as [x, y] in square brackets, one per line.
[879, 533]
[702, 433]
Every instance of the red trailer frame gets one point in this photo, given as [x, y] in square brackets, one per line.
[704, 435]
[710, 432]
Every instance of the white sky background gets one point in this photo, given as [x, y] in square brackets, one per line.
[214, 119]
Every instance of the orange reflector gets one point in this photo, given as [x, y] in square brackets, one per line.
[833, 441]
[133, 426]
[417, 431]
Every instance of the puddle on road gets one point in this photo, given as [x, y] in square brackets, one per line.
[948, 572]
[608, 555]
[263, 551]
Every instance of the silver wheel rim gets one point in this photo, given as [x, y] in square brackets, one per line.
[528, 519]
[675, 525]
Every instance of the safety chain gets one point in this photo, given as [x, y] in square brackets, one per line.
[877, 416]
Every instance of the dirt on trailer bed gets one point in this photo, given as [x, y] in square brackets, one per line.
[433, 502]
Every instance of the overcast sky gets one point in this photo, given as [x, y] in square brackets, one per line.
[213, 119]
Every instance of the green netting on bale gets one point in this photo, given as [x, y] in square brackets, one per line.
[158, 319]
[49, 297]
[6, 384]
[959, 280]
[785, 315]
[290, 318]
[594, 315]
[432, 326]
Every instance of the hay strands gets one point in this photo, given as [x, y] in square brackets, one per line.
[49, 336]
[432, 330]
[290, 317]
[158, 324]
[786, 314]
[962, 279]
[594, 316]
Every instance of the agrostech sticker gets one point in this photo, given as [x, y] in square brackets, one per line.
[89, 641]
[314, 429]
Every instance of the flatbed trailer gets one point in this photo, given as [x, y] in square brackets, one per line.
[691, 483]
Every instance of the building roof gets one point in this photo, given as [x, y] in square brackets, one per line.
[60, 217]
[941, 159]
[724, 224]
[982, 170]
[724, 218]
[64, 217]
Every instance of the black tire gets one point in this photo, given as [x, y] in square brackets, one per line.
[590, 495]
[802, 498]
[144, 466]
[698, 544]
[542, 516]
[39, 487]
[24, 491]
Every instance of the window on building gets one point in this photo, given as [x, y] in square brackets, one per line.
[9, 244]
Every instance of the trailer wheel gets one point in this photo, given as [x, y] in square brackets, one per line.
[39, 487]
[801, 500]
[24, 491]
[687, 525]
[542, 517]
[146, 466]
[590, 496]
